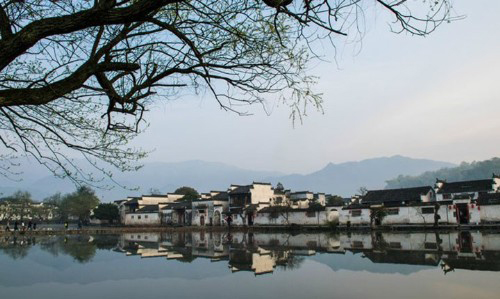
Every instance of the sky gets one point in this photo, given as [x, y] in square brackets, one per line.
[435, 97]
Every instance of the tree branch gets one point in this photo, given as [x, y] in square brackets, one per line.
[46, 94]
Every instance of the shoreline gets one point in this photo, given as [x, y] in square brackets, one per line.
[245, 229]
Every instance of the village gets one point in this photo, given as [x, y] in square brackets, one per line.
[446, 204]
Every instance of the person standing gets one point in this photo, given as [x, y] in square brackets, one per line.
[7, 228]
[34, 225]
[30, 225]
[66, 225]
[16, 228]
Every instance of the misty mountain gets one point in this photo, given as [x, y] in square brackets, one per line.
[342, 179]
[165, 177]
[464, 172]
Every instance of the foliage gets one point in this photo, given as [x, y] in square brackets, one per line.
[77, 76]
[377, 213]
[335, 200]
[107, 211]
[79, 203]
[362, 190]
[463, 172]
[315, 206]
[188, 192]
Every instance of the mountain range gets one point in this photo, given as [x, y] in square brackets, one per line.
[343, 179]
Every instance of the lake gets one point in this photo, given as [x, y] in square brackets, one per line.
[252, 265]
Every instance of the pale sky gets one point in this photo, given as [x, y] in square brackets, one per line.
[435, 97]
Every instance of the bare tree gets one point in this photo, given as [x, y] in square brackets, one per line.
[78, 76]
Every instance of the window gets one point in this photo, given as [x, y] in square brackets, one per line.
[357, 244]
[430, 245]
[427, 210]
[395, 245]
[146, 216]
[393, 211]
[355, 213]
[139, 217]
[447, 196]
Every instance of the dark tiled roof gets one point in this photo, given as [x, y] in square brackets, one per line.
[398, 195]
[221, 196]
[467, 186]
[489, 199]
[148, 209]
[299, 199]
[241, 190]
[181, 205]
[133, 201]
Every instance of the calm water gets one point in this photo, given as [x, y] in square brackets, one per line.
[260, 265]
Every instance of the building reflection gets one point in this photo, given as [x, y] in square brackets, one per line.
[263, 253]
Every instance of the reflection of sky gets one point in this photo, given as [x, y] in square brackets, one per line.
[311, 280]
[113, 274]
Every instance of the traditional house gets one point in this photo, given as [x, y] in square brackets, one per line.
[394, 206]
[302, 199]
[177, 213]
[209, 211]
[448, 191]
[147, 215]
[464, 195]
[245, 201]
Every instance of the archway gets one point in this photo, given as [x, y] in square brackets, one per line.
[217, 218]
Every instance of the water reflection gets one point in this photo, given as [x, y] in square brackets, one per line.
[263, 253]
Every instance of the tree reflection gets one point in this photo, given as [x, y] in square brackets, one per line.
[82, 248]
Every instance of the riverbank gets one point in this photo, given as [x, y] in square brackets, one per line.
[246, 229]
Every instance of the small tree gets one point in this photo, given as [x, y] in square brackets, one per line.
[362, 190]
[107, 211]
[335, 200]
[188, 192]
[79, 203]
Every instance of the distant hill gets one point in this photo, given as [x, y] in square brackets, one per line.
[344, 179]
[166, 177]
[463, 172]
[341, 179]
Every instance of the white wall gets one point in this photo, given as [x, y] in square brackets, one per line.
[261, 193]
[345, 216]
[142, 219]
[292, 217]
[489, 213]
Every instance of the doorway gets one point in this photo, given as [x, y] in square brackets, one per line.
[250, 219]
[217, 218]
[463, 213]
